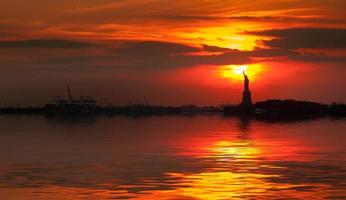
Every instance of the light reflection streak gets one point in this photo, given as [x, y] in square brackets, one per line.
[237, 173]
[237, 164]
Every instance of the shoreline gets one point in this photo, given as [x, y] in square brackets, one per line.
[270, 110]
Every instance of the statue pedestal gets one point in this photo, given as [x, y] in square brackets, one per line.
[246, 101]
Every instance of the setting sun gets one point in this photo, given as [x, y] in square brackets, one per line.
[239, 69]
[235, 72]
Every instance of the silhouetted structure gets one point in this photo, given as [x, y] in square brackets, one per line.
[72, 105]
[337, 110]
[246, 101]
[269, 110]
[289, 110]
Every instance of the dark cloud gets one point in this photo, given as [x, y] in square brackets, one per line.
[4, 34]
[216, 49]
[272, 54]
[148, 55]
[154, 48]
[153, 55]
[309, 38]
[162, 55]
[315, 58]
[46, 43]
[272, 19]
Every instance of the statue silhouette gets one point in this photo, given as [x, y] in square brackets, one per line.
[246, 101]
[246, 82]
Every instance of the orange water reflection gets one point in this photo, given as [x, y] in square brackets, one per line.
[235, 149]
[209, 159]
[236, 175]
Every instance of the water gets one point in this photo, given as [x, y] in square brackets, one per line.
[204, 157]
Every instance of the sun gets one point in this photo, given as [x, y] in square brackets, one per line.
[235, 72]
[239, 69]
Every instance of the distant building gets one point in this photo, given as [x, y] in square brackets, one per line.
[247, 100]
[71, 105]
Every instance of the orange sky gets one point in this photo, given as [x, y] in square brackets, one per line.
[172, 52]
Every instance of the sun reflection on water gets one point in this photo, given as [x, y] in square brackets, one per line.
[246, 162]
[240, 149]
[237, 173]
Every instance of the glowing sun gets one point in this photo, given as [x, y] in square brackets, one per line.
[235, 72]
[239, 69]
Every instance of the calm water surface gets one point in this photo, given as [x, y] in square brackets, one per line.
[205, 157]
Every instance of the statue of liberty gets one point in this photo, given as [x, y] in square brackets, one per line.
[246, 101]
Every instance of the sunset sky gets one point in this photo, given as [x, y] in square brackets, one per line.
[172, 52]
